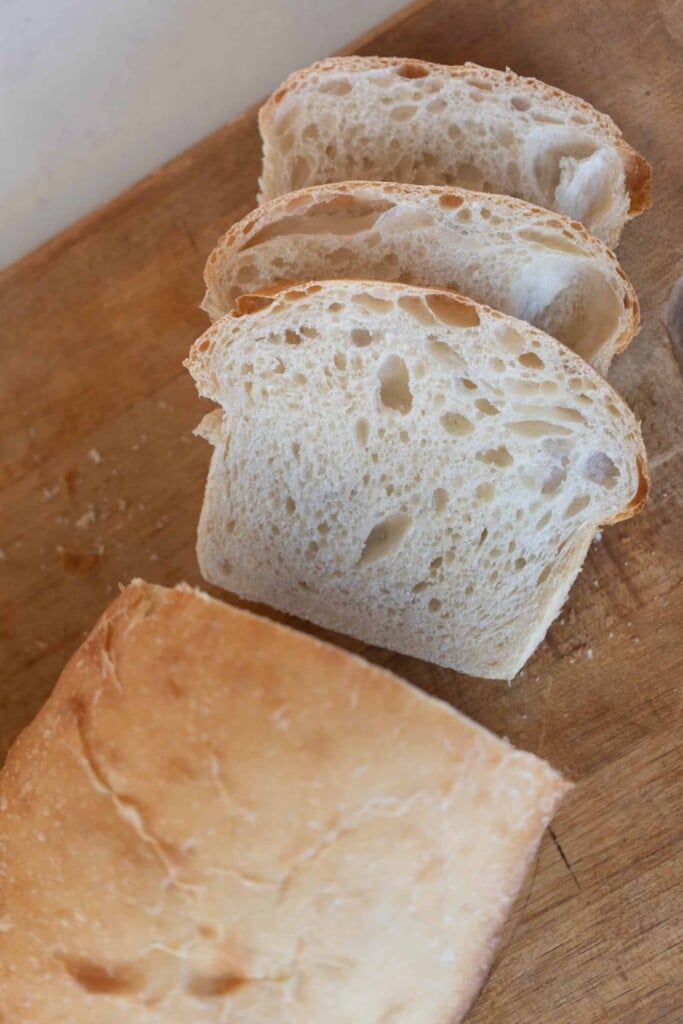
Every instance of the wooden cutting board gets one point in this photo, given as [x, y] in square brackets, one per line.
[101, 480]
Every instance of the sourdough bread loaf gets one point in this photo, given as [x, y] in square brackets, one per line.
[215, 818]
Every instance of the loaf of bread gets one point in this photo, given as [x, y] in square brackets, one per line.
[215, 818]
[406, 466]
[508, 254]
[392, 119]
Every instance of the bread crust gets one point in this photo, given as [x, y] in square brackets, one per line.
[142, 822]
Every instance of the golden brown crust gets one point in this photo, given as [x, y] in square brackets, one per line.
[638, 174]
[211, 804]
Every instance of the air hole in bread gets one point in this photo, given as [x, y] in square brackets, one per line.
[309, 332]
[310, 132]
[551, 241]
[557, 161]
[405, 112]
[362, 431]
[454, 131]
[384, 538]
[422, 585]
[543, 575]
[499, 457]
[394, 381]
[520, 102]
[103, 979]
[452, 311]
[482, 537]
[485, 493]
[613, 410]
[439, 500]
[455, 424]
[531, 361]
[246, 273]
[543, 117]
[300, 171]
[437, 105]
[411, 70]
[335, 86]
[415, 308]
[290, 505]
[450, 200]
[361, 337]
[296, 450]
[576, 506]
[212, 986]
[537, 428]
[372, 304]
[486, 408]
[443, 353]
[468, 384]
[435, 564]
[340, 360]
[299, 378]
[334, 307]
[434, 604]
[600, 469]
[292, 337]
[554, 479]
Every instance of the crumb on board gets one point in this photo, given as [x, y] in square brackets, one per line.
[95, 455]
[87, 519]
[3, 556]
[48, 493]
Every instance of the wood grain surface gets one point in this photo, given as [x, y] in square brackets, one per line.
[101, 480]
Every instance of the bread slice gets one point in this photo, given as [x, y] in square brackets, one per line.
[407, 466]
[215, 818]
[392, 119]
[508, 254]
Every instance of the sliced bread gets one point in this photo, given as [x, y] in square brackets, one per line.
[392, 119]
[508, 254]
[215, 818]
[407, 466]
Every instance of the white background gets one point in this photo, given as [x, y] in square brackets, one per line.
[96, 93]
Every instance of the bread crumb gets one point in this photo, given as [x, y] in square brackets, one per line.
[598, 537]
[49, 493]
[596, 583]
[589, 653]
[95, 456]
[121, 504]
[3, 556]
[87, 519]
